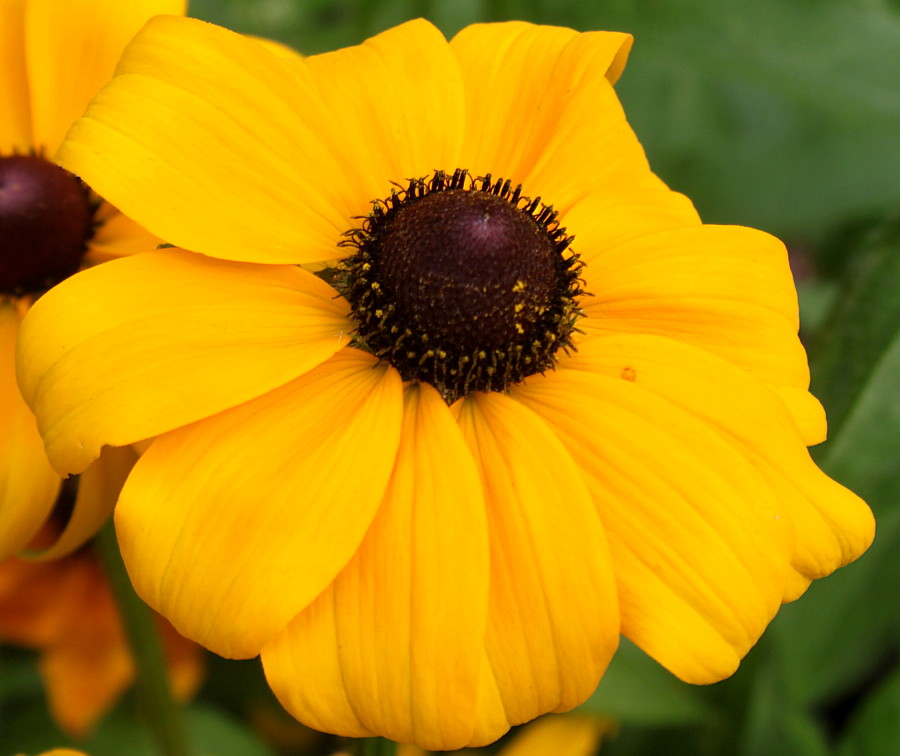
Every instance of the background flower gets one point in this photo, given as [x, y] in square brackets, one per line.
[54, 56]
[64, 609]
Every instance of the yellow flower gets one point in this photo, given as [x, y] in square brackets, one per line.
[65, 610]
[54, 56]
[441, 543]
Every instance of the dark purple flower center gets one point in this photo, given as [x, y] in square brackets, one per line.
[463, 284]
[46, 220]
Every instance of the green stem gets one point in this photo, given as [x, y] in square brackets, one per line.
[161, 714]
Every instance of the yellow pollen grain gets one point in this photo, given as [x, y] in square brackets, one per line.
[519, 287]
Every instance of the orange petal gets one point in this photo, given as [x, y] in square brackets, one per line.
[541, 110]
[138, 346]
[37, 600]
[232, 526]
[28, 484]
[73, 47]
[185, 661]
[400, 632]
[553, 624]
[15, 123]
[89, 666]
[700, 544]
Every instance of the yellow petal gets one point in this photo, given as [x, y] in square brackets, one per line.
[28, 484]
[541, 110]
[700, 544]
[141, 345]
[15, 118]
[404, 622]
[232, 526]
[605, 219]
[98, 490]
[400, 97]
[806, 411]
[571, 735]
[216, 144]
[118, 236]
[726, 289]
[832, 525]
[73, 47]
[279, 48]
[307, 654]
[553, 624]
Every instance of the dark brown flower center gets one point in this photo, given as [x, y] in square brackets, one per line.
[464, 284]
[46, 220]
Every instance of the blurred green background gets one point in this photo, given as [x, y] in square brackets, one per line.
[778, 114]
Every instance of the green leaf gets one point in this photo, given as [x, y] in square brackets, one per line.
[773, 114]
[29, 729]
[875, 730]
[855, 349]
[636, 690]
[19, 677]
[775, 726]
[212, 732]
[209, 731]
[831, 639]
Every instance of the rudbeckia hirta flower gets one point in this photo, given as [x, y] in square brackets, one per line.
[54, 56]
[450, 390]
[65, 610]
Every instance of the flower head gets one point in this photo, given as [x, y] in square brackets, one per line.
[527, 401]
[54, 56]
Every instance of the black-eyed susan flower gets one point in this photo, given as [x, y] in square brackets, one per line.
[65, 610]
[54, 56]
[451, 391]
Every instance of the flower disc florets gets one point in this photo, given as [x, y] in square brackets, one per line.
[463, 283]
[46, 220]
